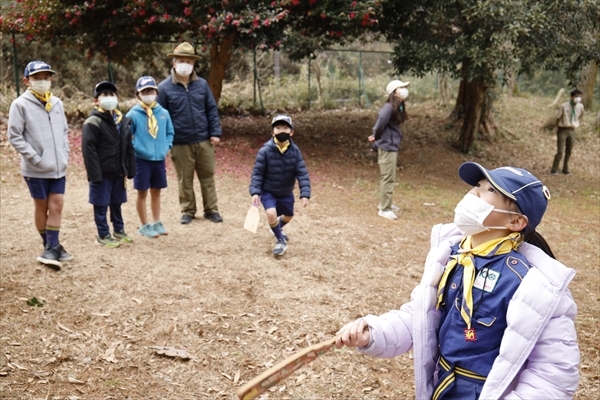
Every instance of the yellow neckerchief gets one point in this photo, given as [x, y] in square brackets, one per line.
[152, 122]
[45, 99]
[465, 258]
[285, 146]
[116, 114]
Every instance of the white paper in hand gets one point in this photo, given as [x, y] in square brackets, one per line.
[252, 219]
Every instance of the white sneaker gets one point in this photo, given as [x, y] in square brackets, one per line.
[395, 208]
[387, 214]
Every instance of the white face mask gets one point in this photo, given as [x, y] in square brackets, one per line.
[109, 103]
[184, 69]
[470, 213]
[577, 100]
[41, 86]
[402, 93]
[148, 99]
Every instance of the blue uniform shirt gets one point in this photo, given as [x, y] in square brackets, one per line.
[497, 278]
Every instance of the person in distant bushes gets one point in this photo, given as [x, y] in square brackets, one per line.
[38, 130]
[279, 163]
[109, 160]
[152, 132]
[195, 116]
[492, 317]
[387, 137]
[568, 119]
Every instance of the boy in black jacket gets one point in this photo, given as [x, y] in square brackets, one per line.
[278, 165]
[109, 158]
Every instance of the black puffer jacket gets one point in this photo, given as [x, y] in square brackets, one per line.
[276, 173]
[106, 152]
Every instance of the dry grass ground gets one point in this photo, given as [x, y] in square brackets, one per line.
[215, 290]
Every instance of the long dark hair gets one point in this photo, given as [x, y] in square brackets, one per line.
[538, 240]
[398, 109]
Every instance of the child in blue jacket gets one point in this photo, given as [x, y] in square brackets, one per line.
[153, 132]
[278, 165]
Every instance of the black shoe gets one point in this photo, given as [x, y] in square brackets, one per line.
[214, 217]
[566, 173]
[50, 257]
[186, 219]
[554, 172]
[63, 255]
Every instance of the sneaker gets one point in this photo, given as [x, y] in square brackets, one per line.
[63, 255]
[553, 172]
[395, 208]
[387, 214]
[280, 247]
[159, 228]
[566, 172]
[214, 217]
[108, 241]
[186, 219]
[148, 231]
[122, 237]
[50, 257]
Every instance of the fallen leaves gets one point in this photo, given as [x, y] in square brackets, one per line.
[174, 353]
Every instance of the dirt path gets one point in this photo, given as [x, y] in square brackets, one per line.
[216, 291]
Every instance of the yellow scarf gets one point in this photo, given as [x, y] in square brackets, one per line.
[44, 99]
[116, 114]
[285, 146]
[465, 258]
[152, 123]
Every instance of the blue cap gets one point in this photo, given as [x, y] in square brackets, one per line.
[519, 185]
[282, 117]
[104, 86]
[145, 82]
[37, 66]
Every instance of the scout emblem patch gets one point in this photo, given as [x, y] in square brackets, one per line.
[486, 280]
[470, 335]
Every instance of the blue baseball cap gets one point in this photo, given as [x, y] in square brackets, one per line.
[519, 185]
[282, 117]
[145, 82]
[37, 66]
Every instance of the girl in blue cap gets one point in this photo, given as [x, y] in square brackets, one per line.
[493, 316]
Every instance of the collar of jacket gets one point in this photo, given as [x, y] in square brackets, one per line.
[175, 80]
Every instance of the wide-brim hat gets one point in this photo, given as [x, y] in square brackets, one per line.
[184, 50]
[519, 185]
[395, 84]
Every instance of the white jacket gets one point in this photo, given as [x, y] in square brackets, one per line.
[539, 355]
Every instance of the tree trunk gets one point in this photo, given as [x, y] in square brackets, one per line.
[458, 111]
[444, 88]
[589, 72]
[220, 55]
[474, 113]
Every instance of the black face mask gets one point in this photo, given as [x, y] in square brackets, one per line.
[282, 137]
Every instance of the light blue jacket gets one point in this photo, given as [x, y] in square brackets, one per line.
[146, 147]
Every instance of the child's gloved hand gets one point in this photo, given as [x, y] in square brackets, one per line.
[354, 334]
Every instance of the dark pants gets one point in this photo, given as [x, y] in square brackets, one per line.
[564, 144]
[116, 218]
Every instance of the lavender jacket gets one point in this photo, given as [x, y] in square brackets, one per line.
[539, 355]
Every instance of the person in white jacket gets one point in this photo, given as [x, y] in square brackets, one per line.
[492, 317]
[38, 130]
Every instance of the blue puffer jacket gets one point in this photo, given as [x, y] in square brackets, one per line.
[276, 173]
[193, 109]
[146, 147]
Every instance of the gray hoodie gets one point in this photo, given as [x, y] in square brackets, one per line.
[41, 137]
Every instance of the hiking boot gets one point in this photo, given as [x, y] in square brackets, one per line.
[148, 231]
[159, 228]
[50, 257]
[108, 241]
[186, 219]
[122, 237]
[214, 217]
[279, 248]
[64, 256]
[395, 208]
[387, 214]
